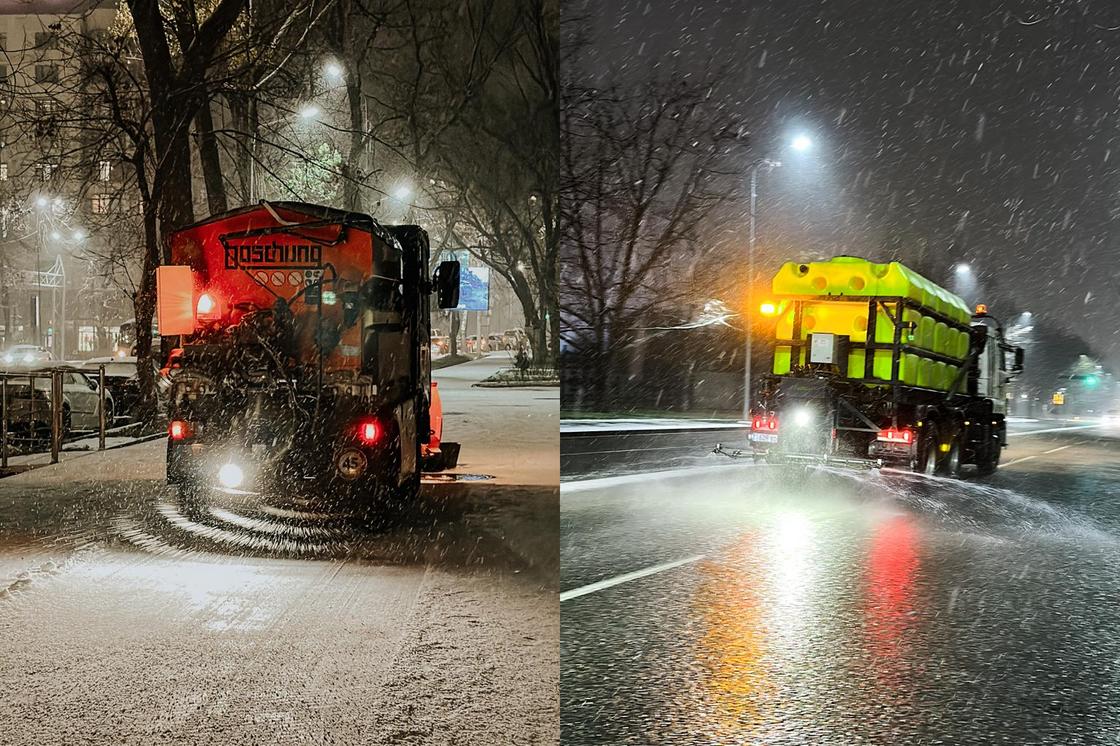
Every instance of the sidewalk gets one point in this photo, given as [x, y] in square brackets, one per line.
[642, 424]
[511, 434]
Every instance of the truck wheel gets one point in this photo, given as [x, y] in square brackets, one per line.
[952, 463]
[928, 457]
[990, 462]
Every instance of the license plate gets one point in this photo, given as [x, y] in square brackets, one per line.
[763, 438]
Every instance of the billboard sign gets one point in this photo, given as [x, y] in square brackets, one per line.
[474, 288]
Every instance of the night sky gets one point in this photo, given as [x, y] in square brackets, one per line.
[986, 132]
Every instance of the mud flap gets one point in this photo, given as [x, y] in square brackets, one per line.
[447, 457]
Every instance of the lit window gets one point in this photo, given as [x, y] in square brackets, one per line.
[101, 204]
[104, 169]
[3, 171]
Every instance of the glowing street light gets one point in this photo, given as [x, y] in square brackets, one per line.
[79, 234]
[41, 201]
[962, 268]
[333, 71]
[56, 236]
[801, 143]
[311, 111]
[402, 193]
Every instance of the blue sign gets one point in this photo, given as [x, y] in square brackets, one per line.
[474, 288]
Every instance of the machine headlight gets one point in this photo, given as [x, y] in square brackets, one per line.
[802, 417]
[230, 475]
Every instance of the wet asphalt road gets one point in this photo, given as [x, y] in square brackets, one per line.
[791, 606]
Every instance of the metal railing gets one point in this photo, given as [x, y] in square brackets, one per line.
[45, 406]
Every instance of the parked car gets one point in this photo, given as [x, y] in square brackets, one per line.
[441, 345]
[515, 339]
[24, 355]
[472, 344]
[122, 380]
[495, 342]
[29, 403]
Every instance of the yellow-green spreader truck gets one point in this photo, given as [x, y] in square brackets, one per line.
[875, 365]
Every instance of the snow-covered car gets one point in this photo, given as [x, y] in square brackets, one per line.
[122, 380]
[20, 356]
[29, 406]
[515, 339]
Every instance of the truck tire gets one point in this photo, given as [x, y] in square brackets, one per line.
[990, 461]
[929, 462]
[951, 464]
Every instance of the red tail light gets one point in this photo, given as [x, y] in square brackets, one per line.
[179, 429]
[901, 435]
[764, 422]
[369, 432]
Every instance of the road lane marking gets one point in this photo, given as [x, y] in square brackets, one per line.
[609, 582]
[582, 485]
[1051, 430]
[688, 447]
[1019, 460]
[1052, 450]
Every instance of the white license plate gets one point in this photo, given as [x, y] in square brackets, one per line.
[763, 438]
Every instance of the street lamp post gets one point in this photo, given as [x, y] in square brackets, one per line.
[769, 165]
[800, 143]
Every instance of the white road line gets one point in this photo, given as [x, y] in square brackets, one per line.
[1051, 430]
[582, 485]
[1052, 450]
[1018, 461]
[609, 582]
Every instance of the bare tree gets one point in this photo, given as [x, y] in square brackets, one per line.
[641, 177]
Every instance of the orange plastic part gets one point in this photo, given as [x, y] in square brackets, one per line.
[435, 413]
[175, 299]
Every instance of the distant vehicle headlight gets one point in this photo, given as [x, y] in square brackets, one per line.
[230, 475]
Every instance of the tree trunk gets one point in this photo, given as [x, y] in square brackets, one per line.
[529, 308]
[144, 306]
[453, 336]
[211, 160]
[172, 182]
[353, 171]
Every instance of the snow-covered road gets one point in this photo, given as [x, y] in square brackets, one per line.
[126, 617]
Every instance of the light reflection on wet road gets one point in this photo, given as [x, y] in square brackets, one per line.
[831, 607]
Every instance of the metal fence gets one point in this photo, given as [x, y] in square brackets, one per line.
[32, 407]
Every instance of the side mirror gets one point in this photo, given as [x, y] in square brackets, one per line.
[447, 284]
